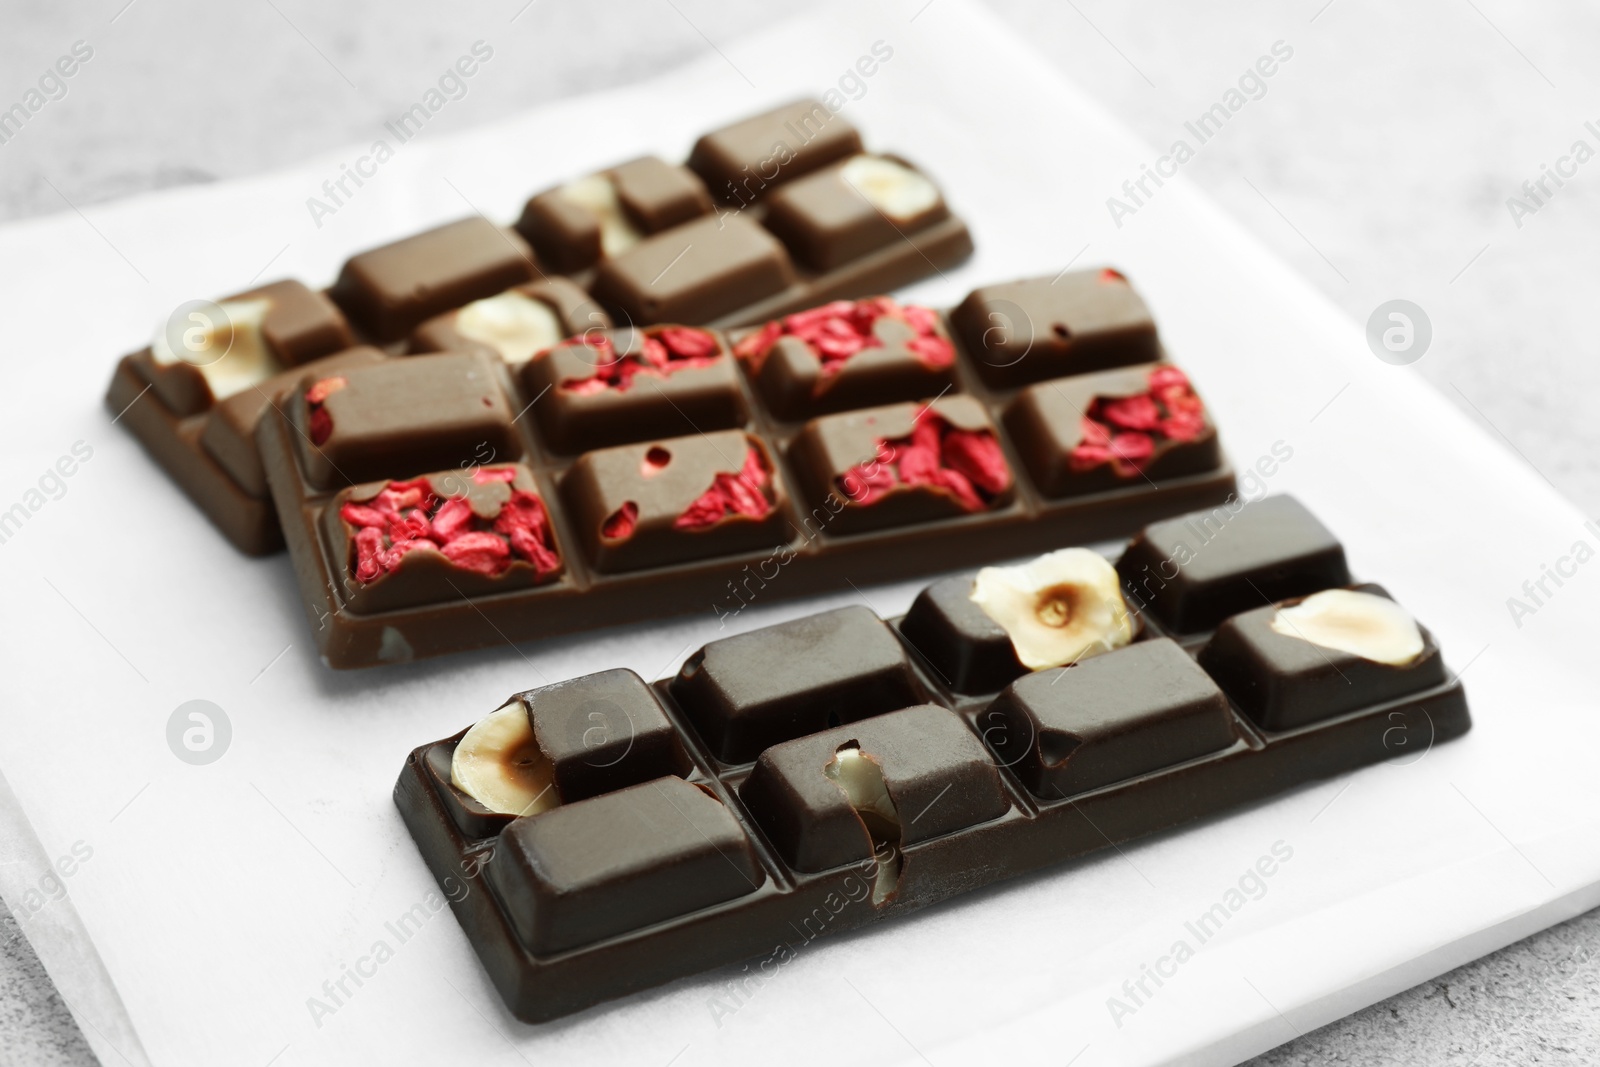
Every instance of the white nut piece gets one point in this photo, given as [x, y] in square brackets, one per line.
[1060, 608]
[893, 188]
[512, 323]
[498, 764]
[1362, 624]
[243, 361]
[598, 194]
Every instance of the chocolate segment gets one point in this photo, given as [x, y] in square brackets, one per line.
[678, 499]
[851, 209]
[613, 387]
[967, 650]
[619, 862]
[1094, 433]
[936, 773]
[1194, 571]
[1282, 681]
[747, 692]
[514, 325]
[229, 436]
[602, 732]
[1081, 321]
[1068, 730]
[468, 532]
[261, 332]
[743, 162]
[906, 463]
[696, 272]
[847, 355]
[390, 290]
[402, 418]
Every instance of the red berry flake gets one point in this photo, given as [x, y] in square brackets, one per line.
[409, 517]
[743, 493]
[1128, 431]
[321, 421]
[666, 351]
[839, 330]
[619, 525]
[967, 465]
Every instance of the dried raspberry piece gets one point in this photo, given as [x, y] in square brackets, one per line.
[1127, 431]
[406, 517]
[730, 494]
[966, 464]
[665, 351]
[453, 519]
[619, 525]
[755, 346]
[482, 553]
[686, 343]
[321, 421]
[977, 455]
[935, 352]
[1132, 412]
[839, 330]
[1108, 275]
[867, 483]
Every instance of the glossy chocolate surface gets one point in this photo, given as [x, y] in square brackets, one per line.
[1193, 571]
[838, 811]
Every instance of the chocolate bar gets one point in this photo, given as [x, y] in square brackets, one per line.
[773, 214]
[451, 501]
[815, 776]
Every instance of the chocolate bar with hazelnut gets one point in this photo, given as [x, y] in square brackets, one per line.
[772, 214]
[673, 468]
[194, 397]
[815, 776]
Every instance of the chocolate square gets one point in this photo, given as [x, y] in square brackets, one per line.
[754, 690]
[1282, 681]
[389, 290]
[695, 272]
[275, 327]
[794, 382]
[1194, 571]
[1041, 328]
[230, 433]
[661, 502]
[602, 389]
[968, 651]
[603, 732]
[619, 862]
[428, 575]
[514, 325]
[936, 772]
[741, 163]
[405, 417]
[658, 195]
[1046, 422]
[827, 222]
[1117, 716]
[853, 467]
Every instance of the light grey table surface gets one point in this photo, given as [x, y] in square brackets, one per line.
[1378, 164]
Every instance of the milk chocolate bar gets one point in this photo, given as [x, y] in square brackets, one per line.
[772, 214]
[671, 468]
[815, 776]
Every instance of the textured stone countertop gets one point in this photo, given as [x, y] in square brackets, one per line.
[1378, 164]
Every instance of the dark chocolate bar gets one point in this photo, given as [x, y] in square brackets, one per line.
[846, 767]
[673, 468]
[773, 214]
